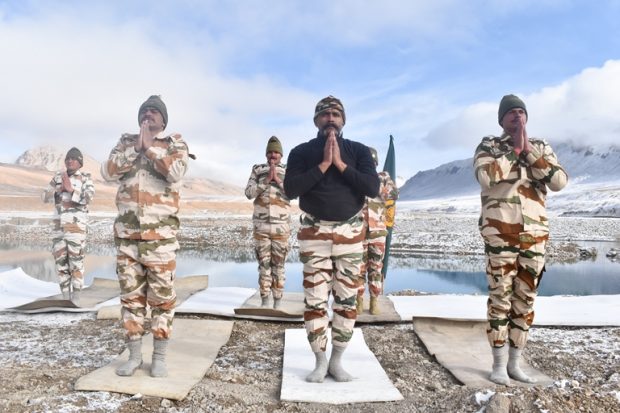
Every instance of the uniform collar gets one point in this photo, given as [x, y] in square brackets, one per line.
[506, 138]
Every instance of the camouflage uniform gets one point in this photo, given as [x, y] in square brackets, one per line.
[515, 229]
[70, 226]
[146, 227]
[331, 253]
[271, 220]
[376, 230]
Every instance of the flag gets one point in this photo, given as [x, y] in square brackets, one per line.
[390, 167]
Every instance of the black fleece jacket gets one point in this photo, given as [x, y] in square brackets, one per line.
[331, 196]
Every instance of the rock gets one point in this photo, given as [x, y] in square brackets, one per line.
[587, 253]
[499, 403]
[166, 403]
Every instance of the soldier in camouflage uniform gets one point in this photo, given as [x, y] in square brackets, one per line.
[71, 190]
[374, 243]
[271, 221]
[514, 172]
[149, 167]
[331, 176]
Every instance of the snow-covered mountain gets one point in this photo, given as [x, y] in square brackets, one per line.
[593, 189]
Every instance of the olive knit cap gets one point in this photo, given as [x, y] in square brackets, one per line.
[154, 102]
[508, 103]
[75, 153]
[329, 102]
[274, 145]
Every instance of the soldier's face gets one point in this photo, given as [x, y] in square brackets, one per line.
[328, 120]
[154, 119]
[273, 158]
[513, 118]
[72, 165]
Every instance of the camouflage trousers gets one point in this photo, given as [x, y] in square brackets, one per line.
[146, 272]
[331, 253]
[271, 247]
[68, 252]
[374, 250]
[515, 263]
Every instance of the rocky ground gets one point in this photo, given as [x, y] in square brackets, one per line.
[41, 356]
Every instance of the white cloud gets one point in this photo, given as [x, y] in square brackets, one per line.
[81, 84]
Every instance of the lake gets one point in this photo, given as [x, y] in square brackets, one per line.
[237, 268]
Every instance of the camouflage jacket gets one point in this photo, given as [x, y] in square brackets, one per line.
[148, 196]
[71, 208]
[375, 208]
[270, 202]
[514, 188]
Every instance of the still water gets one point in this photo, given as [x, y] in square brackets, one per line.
[237, 268]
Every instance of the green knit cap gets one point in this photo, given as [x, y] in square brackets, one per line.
[508, 103]
[329, 102]
[274, 145]
[75, 153]
[154, 102]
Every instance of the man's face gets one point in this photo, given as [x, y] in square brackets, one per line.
[154, 118]
[273, 158]
[513, 118]
[72, 165]
[328, 120]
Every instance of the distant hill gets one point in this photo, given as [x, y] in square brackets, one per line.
[584, 164]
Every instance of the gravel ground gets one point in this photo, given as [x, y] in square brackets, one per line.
[41, 356]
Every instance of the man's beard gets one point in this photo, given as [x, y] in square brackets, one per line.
[326, 128]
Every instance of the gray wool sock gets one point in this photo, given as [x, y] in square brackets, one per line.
[335, 365]
[135, 358]
[158, 364]
[514, 370]
[75, 297]
[264, 301]
[320, 368]
[499, 375]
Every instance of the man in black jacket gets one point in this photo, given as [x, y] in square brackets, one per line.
[331, 176]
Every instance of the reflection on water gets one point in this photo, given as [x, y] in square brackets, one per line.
[237, 268]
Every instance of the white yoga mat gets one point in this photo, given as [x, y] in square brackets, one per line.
[591, 310]
[17, 288]
[192, 349]
[371, 383]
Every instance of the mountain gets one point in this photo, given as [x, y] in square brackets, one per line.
[450, 179]
[584, 165]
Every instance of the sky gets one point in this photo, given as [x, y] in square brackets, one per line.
[233, 73]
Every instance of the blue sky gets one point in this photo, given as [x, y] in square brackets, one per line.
[233, 73]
